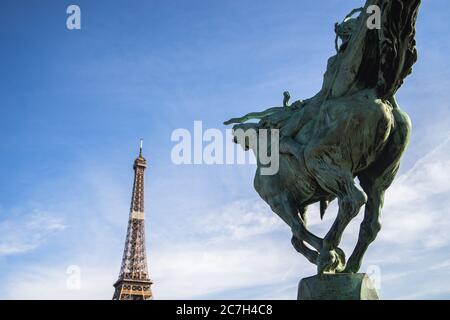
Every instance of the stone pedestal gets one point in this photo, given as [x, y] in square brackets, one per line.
[341, 286]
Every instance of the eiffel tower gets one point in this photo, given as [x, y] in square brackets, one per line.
[134, 282]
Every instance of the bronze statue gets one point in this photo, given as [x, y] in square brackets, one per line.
[353, 128]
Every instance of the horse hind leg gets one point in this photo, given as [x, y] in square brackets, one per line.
[375, 180]
[370, 225]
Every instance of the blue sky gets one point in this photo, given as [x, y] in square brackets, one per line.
[75, 103]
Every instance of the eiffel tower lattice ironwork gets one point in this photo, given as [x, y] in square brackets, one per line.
[134, 282]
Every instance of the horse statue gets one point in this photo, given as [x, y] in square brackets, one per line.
[353, 128]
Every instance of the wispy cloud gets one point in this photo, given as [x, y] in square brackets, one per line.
[46, 282]
[417, 205]
[27, 232]
[414, 241]
[238, 247]
[240, 220]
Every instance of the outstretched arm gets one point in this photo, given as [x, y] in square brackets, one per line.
[253, 115]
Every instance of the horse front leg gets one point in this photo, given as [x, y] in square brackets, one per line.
[341, 184]
[301, 248]
[298, 244]
[287, 211]
[329, 259]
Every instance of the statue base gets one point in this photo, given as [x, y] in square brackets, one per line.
[340, 286]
